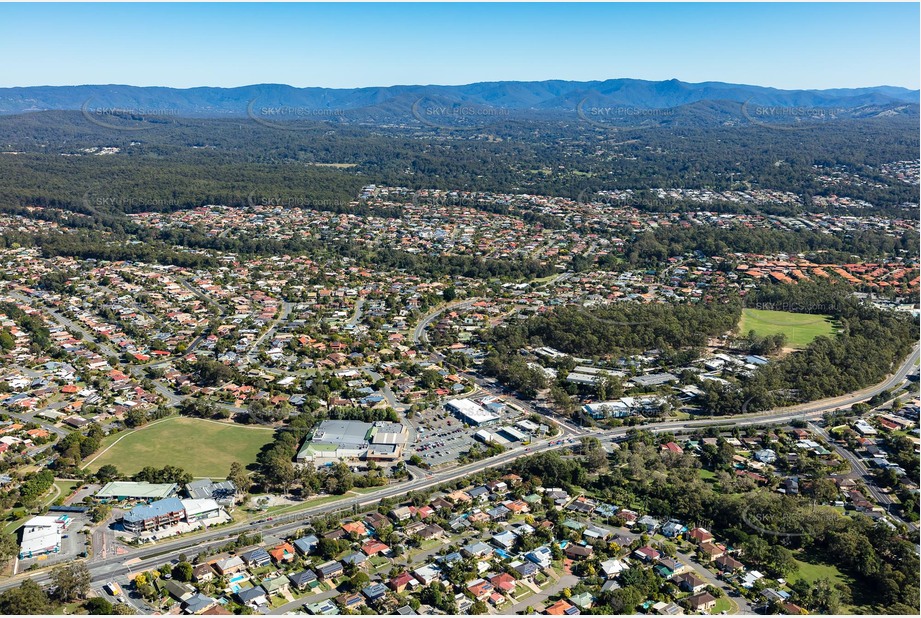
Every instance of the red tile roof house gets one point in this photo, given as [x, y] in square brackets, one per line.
[399, 583]
[700, 535]
[561, 608]
[727, 563]
[711, 550]
[503, 582]
[374, 547]
[480, 589]
[355, 526]
[647, 553]
[282, 553]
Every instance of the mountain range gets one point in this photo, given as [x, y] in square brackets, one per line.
[392, 103]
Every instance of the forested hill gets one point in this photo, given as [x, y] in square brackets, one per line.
[554, 96]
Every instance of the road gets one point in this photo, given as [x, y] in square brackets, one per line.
[538, 599]
[106, 567]
[419, 330]
[281, 317]
[860, 470]
[356, 315]
[70, 325]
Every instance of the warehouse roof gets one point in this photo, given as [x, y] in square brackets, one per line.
[140, 491]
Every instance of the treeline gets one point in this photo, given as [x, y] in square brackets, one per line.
[119, 184]
[655, 247]
[869, 345]
[38, 332]
[526, 158]
[621, 328]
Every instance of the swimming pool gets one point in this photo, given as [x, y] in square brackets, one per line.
[239, 577]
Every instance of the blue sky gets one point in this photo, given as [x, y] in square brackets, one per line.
[347, 45]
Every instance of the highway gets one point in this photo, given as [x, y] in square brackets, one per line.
[152, 555]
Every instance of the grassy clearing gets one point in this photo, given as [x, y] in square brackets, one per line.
[707, 475]
[800, 328]
[811, 572]
[203, 448]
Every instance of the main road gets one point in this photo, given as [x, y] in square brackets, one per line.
[103, 568]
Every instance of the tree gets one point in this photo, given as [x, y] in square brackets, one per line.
[97, 606]
[27, 598]
[359, 580]
[8, 546]
[70, 582]
[594, 455]
[122, 609]
[107, 473]
[449, 294]
[479, 608]
[100, 512]
[182, 572]
[240, 477]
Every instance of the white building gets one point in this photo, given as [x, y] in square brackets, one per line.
[42, 535]
[471, 412]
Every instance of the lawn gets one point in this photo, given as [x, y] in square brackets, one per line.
[723, 604]
[800, 328]
[812, 572]
[204, 448]
[706, 475]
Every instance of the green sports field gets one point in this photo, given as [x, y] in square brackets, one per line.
[201, 447]
[800, 328]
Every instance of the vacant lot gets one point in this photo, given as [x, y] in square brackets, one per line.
[204, 448]
[800, 328]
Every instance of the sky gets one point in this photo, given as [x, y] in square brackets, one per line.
[820, 45]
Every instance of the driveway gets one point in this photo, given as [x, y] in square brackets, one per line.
[567, 581]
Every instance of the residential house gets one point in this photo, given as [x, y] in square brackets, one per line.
[689, 582]
[302, 579]
[375, 591]
[306, 545]
[728, 564]
[480, 589]
[647, 554]
[562, 608]
[282, 553]
[700, 535]
[256, 558]
[277, 585]
[350, 600]
[701, 602]
[329, 570]
[202, 573]
[229, 566]
[503, 582]
[253, 597]
[526, 570]
[402, 581]
[574, 551]
[198, 604]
